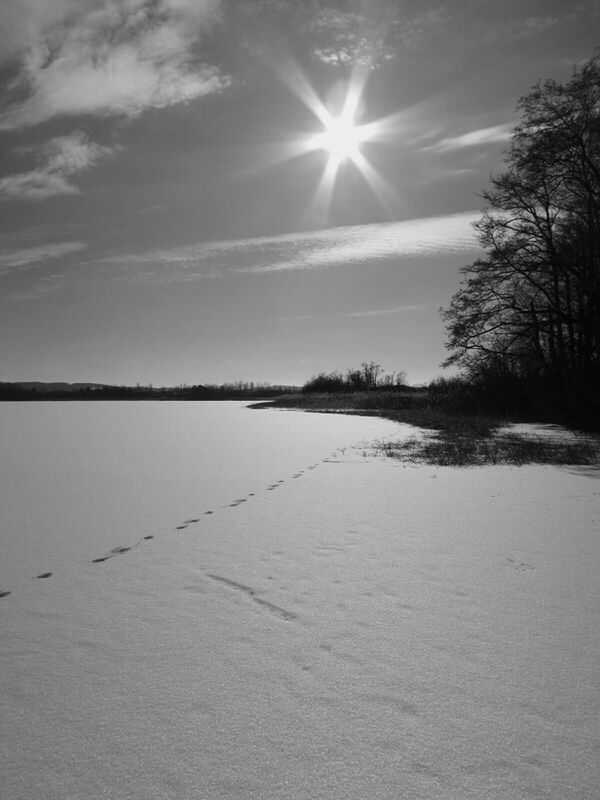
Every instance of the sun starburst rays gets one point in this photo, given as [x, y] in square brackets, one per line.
[341, 137]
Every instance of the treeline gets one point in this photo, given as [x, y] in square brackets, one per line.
[368, 377]
[239, 390]
[524, 326]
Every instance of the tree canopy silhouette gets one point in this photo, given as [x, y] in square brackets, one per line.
[530, 309]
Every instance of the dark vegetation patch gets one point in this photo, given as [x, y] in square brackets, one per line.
[462, 419]
[445, 449]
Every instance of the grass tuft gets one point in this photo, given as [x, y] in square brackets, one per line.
[462, 451]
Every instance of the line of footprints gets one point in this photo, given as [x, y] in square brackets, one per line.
[121, 550]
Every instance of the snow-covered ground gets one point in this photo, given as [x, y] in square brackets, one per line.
[547, 432]
[344, 626]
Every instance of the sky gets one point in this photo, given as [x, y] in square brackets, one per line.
[200, 191]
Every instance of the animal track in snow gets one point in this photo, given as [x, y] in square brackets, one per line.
[283, 613]
[250, 592]
[116, 551]
[187, 523]
[520, 565]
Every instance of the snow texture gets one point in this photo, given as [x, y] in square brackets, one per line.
[339, 627]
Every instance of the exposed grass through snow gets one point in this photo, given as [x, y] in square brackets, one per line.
[453, 439]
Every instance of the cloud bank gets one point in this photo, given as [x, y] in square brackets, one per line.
[103, 57]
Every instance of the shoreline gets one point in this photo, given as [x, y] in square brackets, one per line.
[446, 439]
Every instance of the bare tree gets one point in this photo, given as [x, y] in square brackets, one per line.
[532, 305]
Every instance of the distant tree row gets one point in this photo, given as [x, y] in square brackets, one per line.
[527, 316]
[239, 390]
[368, 377]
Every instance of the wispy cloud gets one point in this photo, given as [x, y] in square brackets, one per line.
[517, 27]
[349, 38]
[384, 312]
[364, 243]
[354, 33]
[376, 312]
[312, 250]
[19, 259]
[369, 38]
[105, 58]
[476, 138]
[59, 160]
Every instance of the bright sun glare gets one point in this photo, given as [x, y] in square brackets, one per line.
[341, 139]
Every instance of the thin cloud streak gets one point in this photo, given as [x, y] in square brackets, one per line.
[312, 250]
[383, 312]
[20, 259]
[378, 312]
[476, 138]
[363, 243]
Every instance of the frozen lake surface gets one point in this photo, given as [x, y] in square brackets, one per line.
[341, 627]
[79, 477]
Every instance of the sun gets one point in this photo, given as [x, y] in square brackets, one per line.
[341, 136]
[340, 139]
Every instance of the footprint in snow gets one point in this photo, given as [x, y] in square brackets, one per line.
[4, 594]
[521, 565]
[116, 551]
[44, 575]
